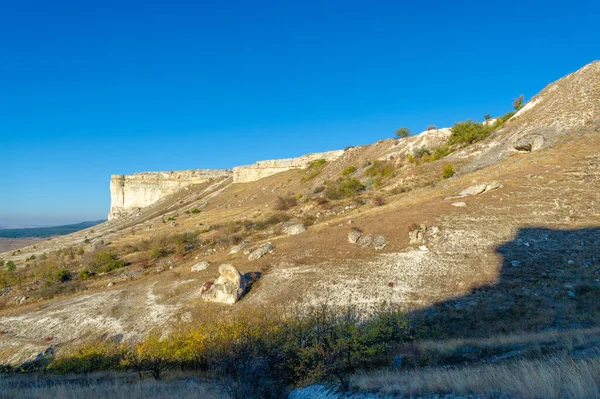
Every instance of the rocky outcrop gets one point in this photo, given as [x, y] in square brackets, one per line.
[567, 106]
[260, 251]
[129, 193]
[228, 288]
[261, 169]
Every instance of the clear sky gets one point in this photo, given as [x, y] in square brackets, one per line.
[94, 88]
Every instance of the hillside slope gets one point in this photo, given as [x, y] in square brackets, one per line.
[526, 239]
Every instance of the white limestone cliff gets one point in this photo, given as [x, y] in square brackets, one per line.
[261, 169]
[129, 193]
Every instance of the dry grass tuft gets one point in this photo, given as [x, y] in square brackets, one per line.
[528, 379]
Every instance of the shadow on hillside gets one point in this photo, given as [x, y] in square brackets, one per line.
[549, 279]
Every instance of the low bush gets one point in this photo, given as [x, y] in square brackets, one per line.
[313, 170]
[469, 132]
[448, 171]
[103, 262]
[10, 266]
[257, 355]
[349, 170]
[285, 203]
[381, 169]
[378, 200]
[344, 188]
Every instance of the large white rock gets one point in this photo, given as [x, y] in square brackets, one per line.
[228, 288]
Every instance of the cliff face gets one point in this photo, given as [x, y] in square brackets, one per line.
[261, 169]
[131, 192]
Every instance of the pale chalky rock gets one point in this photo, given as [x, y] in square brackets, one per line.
[238, 248]
[198, 267]
[295, 229]
[379, 242]
[459, 204]
[354, 236]
[365, 241]
[260, 251]
[228, 288]
[473, 190]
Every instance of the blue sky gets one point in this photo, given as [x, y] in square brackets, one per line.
[94, 88]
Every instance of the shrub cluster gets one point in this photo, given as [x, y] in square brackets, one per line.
[344, 188]
[256, 356]
[313, 170]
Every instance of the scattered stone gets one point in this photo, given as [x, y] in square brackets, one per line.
[379, 242]
[260, 251]
[246, 252]
[473, 190]
[198, 267]
[228, 288]
[238, 248]
[365, 241]
[353, 236]
[295, 229]
[571, 294]
[110, 284]
[529, 144]
[423, 248]
[459, 204]
[173, 224]
[515, 263]
[350, 222]
[493, 186]
[417, 236]
[480, 188]
[571, 262]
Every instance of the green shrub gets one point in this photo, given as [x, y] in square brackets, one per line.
[469, 132]
[380, 168]
[448, 171]
[403, 132]
[317, 164]
[344, 188]
[313, 170]
[421, 152]
[318, 189]
[195, 211]
[10, 266]
[185, 242]
[62, 276]
[104, 262]
[349, 170]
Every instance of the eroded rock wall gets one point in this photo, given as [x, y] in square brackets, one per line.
[261, 169]
[128, 193]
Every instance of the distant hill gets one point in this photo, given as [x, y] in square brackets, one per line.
[43, 232]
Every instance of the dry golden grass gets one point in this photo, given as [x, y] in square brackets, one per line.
[550, 378]
[103, 386]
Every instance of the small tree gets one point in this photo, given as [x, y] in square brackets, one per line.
[518, 102]
[403, 132]
[487, 117]
[431, 127]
